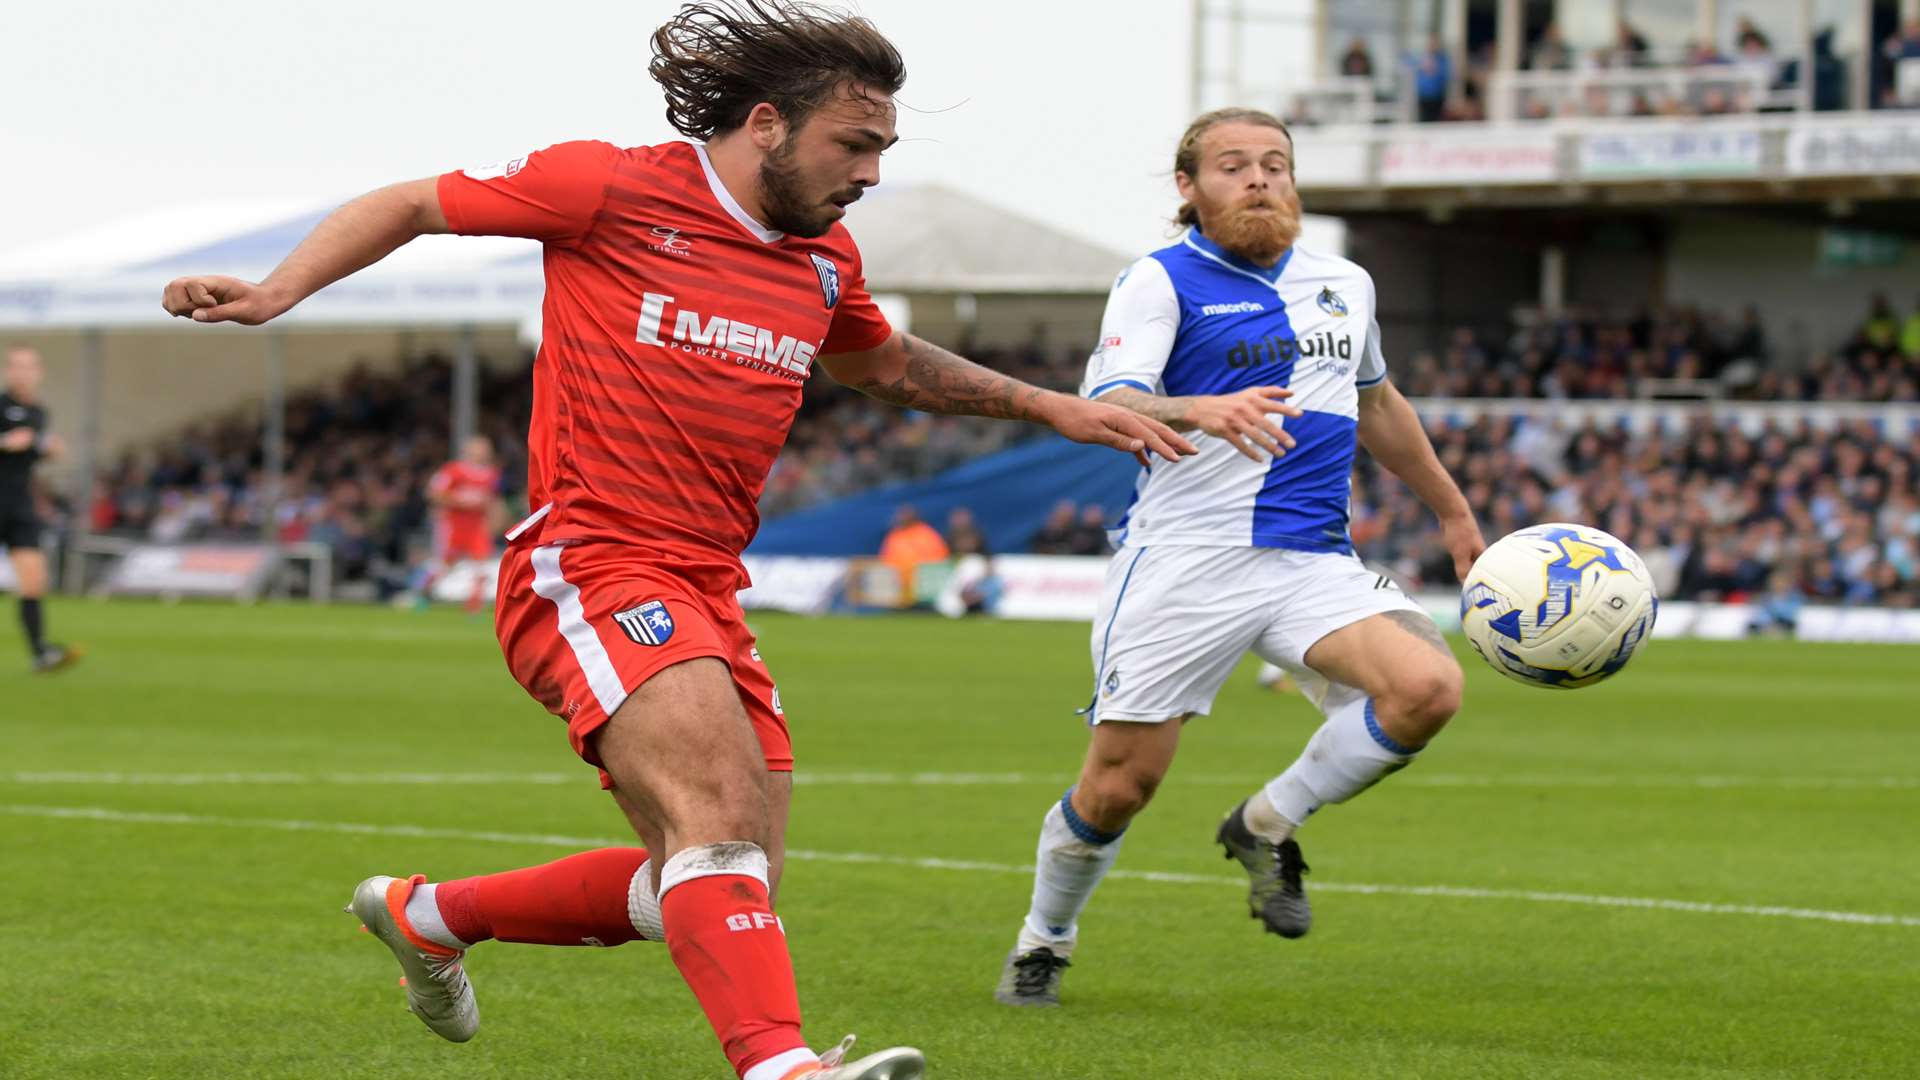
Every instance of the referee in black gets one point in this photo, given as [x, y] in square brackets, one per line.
[24, 440]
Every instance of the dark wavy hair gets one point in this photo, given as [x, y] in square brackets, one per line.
[716, 60]
[1186, 159]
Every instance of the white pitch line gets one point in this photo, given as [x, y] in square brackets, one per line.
[97, 813]
[292, 779]
[952, 779]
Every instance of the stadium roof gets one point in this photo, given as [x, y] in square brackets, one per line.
[925, 238]
[932, 238]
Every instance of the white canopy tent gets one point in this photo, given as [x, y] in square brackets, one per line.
[914, 238]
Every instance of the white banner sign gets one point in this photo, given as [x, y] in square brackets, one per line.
[1525, 157]
[1062, 588]
[1660, 154]
[807, 586]
[457, 585]
[1050, 586]
[236, 571]
[793, 583]
[1886, 148]
[1330, 161]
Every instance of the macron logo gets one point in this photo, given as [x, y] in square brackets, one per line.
[1233, 309]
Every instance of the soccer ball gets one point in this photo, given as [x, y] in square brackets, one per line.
[1558, 605]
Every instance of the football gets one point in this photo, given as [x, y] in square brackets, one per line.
[1558, 605]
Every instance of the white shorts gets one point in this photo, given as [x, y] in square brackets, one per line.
[1174, 622]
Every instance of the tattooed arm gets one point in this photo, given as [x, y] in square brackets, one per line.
[1243, 418]
[1175, 412]
[909, 372]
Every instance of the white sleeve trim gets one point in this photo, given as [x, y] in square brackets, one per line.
[1136, 333]
[1372, 368]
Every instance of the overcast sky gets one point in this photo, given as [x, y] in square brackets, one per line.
[1063, 108]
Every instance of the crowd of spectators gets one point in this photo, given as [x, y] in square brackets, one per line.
[1829, 515]
[1780, 516]
[359, 453]
[1072, 530]
[1625, 77]
[1717, 511]
[1679, 352]
[358, 457]
[843, 442]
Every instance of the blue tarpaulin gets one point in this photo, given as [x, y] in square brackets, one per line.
[1010, 494]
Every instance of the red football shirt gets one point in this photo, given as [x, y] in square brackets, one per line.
[472, 487]
[677, 332]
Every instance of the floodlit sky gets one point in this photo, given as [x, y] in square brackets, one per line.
[118, 109]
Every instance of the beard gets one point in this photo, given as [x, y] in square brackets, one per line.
[1256, 236]
[783, 196]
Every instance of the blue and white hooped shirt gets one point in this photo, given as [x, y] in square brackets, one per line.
[1194, 319]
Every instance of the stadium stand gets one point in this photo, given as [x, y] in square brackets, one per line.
[1719, 512]
[359, 454]
[1625, 77]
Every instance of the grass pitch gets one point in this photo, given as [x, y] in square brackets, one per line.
[182, 817]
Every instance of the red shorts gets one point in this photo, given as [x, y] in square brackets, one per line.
[583, 625]
[450, 545]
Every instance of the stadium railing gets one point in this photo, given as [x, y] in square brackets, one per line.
[1741, 87]
[1349, 100]
[1895, 421]
[238, 571]
[1357, 167]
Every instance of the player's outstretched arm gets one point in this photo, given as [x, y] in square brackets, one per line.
[1242, 418]
[908, 371]
[351, 238]
[1391, 431]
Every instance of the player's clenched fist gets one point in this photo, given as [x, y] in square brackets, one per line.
[1244, 419]
[212, 298]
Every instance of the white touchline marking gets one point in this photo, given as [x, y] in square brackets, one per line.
[420, 832]
[958, 779]
[291, 779]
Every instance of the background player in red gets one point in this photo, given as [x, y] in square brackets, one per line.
[465, 494]
[691, 286]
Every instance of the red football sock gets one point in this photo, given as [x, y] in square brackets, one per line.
[578, 900]
[732, 951]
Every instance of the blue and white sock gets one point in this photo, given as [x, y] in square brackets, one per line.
[1348, 755]
[1072, 858]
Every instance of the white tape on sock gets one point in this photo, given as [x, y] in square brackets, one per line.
[730, 858]
[643, 907]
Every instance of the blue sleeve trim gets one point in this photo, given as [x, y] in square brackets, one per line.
[1104, 387]
[1370, 383]
[1381, 737]
[1085, 832]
